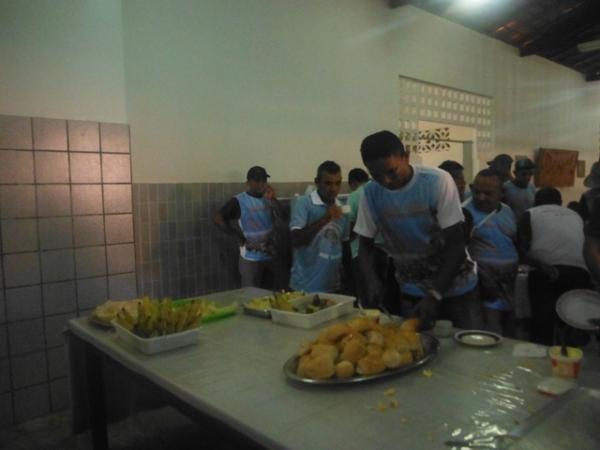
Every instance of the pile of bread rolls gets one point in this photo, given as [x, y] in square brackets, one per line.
[361, 346]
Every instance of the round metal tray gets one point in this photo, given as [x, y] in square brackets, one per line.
[430, 348]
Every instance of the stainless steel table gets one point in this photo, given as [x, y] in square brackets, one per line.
[234, 377]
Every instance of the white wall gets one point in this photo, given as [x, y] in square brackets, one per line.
[211, 87]
[216, 86]
[62, 59]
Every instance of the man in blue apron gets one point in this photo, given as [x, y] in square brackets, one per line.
[417, 211]
[492, 233]
[249, 217]
[320, 233]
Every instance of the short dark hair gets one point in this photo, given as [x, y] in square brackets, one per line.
[548, 196]
[329, 167]
[451, 167]
[381, 145]
[358, 175]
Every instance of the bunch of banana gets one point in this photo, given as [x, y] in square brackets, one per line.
[158, 318]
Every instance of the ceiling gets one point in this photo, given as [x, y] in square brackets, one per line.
[552, 29]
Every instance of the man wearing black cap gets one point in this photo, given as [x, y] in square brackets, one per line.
[519, 193]
[249, 217]
[501, 164]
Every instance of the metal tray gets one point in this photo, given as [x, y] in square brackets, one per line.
[430, 348]
[263, 313]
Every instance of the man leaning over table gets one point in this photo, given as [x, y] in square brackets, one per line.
[417, 211]
[319, 233]
[249, 217]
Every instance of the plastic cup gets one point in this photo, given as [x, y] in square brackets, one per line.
[565, 366]
[442, 328]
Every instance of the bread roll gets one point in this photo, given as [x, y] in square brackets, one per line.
[319, 368]
[370, 365]
[375, 337]
[334, 332]
[362, 324]
[324, 349]
[391, 359]
[344, 369]
[353, 351]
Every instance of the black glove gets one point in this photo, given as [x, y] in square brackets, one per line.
[426, 310]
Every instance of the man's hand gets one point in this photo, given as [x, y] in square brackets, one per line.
[426, 310]
[269, 193]
[334, 212]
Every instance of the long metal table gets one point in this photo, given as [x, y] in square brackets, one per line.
[234, 377]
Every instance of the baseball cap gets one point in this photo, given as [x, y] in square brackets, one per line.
[257, 173]
[501, 159]
[524, 164]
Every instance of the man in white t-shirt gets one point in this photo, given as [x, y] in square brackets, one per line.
[417, 211]
[550, 238]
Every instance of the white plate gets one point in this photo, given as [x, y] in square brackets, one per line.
[478, 338]
[577, 307]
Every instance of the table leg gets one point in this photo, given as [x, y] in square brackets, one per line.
[96, 399]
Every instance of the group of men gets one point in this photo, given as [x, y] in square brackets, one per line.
[450, 253]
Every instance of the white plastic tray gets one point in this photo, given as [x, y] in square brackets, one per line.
[344, 305]
[158, 344]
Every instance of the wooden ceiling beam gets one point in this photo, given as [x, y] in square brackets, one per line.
[565, 31]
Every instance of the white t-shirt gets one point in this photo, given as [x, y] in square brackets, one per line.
[556, 236]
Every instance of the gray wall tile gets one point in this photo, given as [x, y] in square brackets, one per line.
[17, 201]
[59, 298]
[15, 132]
[116, 169]
[57, 362]
[49, 134]
[31, 402]
[85, 168]
[4, 375]
[114, 137]
[84, 136]
[87, 199]
[57, 265]
[19, 235]
[90, 261]
[91, 292]
[59, 392]
[26, 336]
[6, 411]
[56, 232]
[121, 258]
[28, 369]
[51, 167]
[122, 287]
[24, 303]
[117, 198]
[53, 200]
[16, 167]
[21, 269]
[88, 230]
[119, 228]
[54, 329]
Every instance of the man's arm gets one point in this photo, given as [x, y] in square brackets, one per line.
[226, 219]
[366, 263]
[452, 256]
[303, 236]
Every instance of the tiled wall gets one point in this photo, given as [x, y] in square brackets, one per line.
[67, 244]
[180, 253]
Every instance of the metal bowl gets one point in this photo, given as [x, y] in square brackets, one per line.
[430, 348]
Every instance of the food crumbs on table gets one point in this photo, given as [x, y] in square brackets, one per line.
[427, 373]
[394, 403]
[381, 407]
[389, 392]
